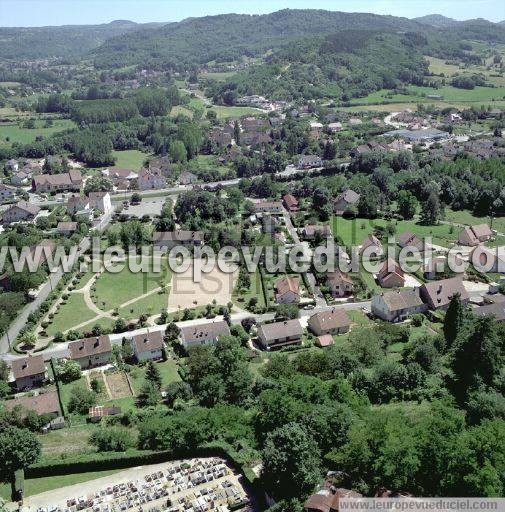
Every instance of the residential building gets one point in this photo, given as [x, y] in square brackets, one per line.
[396, 306]
[6, 193]
[438, 294]
[91, 352]
[496, 310]
[64, 182]
[474, 235]
[22, 211]
[335, 127]
[371, 247]
[150, 179]
[287, 290]
[309, 161]
[203, 334]
[20, 179]
[410, 240]
[339, 284]
[309, 232]
[187, 178]
[280, 334]
[12, 165]
[78, 204]
[96, 413]
[29, 372]
[345, 201]
[66, 228]
[391, 275]
[269, 223]
[43, 403]
[121, 178]
[332, 321]
[325, 340]
[327, 500]
[268, 207]
[290, 203]
[100, 201]
[148, 346]
[169, 239]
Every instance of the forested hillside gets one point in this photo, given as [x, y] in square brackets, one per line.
[230, 36]
[65, 41]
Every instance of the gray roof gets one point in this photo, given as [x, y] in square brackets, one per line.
[28, 366]
[403, 299]
[497, 310]
[90, 347]
[278, 330]
[205, 331]
[418, 135]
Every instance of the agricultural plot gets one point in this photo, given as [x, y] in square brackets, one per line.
[118, 385]
[16, 132]
[130, 159]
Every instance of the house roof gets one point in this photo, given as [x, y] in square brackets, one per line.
[370, 241]
[338, 277]
[28, 366]
[481, 230]
[44, 403]
[471, 236]
[325, 340]
[89, 347]
[278, 330]
[205, 331]
[402, 299]
[309, 158]
[334, 318]
[497, 310]
[312, 229]
[390, 266]
[177, 236]
[148, 341]
[409, 239]
[66, 226]
[439, 293]
[117, 172]
[290, 200]
[287, 284]
[31, 208]
[349, 196]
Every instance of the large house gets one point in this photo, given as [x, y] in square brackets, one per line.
[345, 201]
[438, 294]
[410, 240]
[309, 161]
[148, 346]
[339, 283]
[64, 182]
[77, 205]
[290, 203]
[29, 372]
[169, 239]
[121, 178]
[391, 275]
[268, 207]
[91, 352]
[100, 201]
[203, 334]
[150, 179]
[396, 306]
[22, 211]
[474, 235]
[371, 246]
[280, 334]
[287, 290]
[332, 321]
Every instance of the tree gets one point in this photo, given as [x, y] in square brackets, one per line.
[288, 311]
[81, 400]
[149, 395]
[153, 374]
[177, 152]
[172, 331]
[454, 320]
[178, 391]
[236, 132]
[407, 204]
[4, 370]
[98, 183]
[291, 461]
[19, 448]
[68, 371]
[431, 210]
[112, 439]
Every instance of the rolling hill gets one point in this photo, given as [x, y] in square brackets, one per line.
[66, 41]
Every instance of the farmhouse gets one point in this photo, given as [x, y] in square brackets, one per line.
[280, 334]
[474, 235]
[287, 290]
[148, 346]
[438, 294]
[22, 211]
[333, 321]
[91, 352]
[396, 306]
[203, 334]
[64, 182]
[169, 239]
[345, 201]
[391, 275]
[29, 372]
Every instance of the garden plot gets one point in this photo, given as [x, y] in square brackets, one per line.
[118, 385]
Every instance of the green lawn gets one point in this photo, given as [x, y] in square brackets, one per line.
[16, 133]
[226, 112]
[150, 305]
[466, 217]
[73, 312]
[167, 369]
[113, 289]
[219, 76]
[255, 290]
[129, 159]
[354, 231]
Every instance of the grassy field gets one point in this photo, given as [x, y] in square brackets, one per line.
[466, 217]
[354, 231]
[254, 290]
[73, 312]
[15, 133]
[227, 112]
[179, 109]
[150, 305]
[112, 290]
[219, 76]
[129, 159]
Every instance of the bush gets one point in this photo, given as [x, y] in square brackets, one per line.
[68, 371]
[81, 400]
[112, 439]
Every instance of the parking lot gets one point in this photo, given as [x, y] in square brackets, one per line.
[148, 206]
[195, 485]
